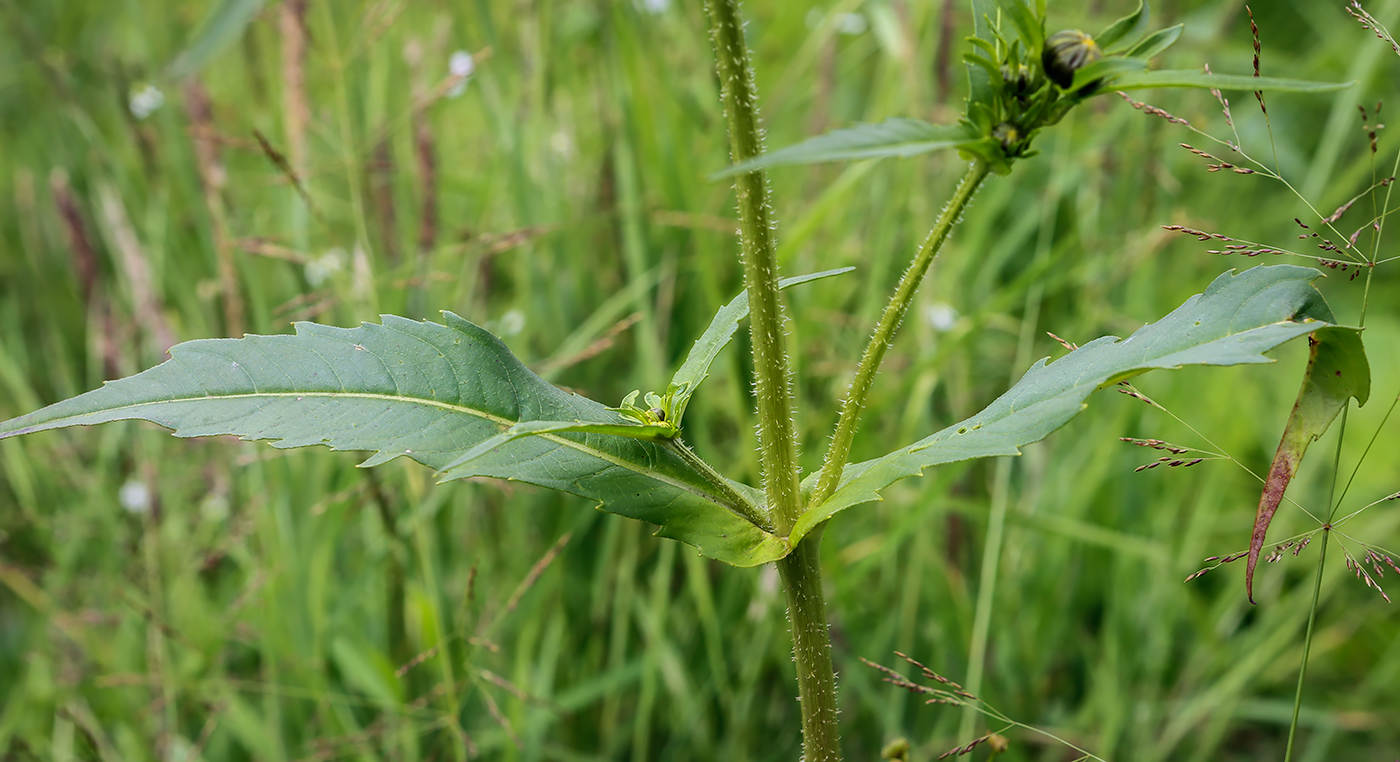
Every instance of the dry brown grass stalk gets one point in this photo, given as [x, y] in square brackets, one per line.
[296, 112]
[213, 177]
[131, 257]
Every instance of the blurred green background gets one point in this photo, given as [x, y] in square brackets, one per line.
[166, 599]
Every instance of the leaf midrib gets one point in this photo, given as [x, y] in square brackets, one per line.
[504, 423]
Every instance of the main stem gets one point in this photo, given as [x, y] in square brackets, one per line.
[811, 649]
[880, 340]
[777, 435]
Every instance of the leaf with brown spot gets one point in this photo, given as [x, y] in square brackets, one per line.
[1337, 371]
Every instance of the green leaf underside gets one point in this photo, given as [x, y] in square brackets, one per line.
[462, 466]
[457, 468]
[1107, 68]
[1239, 317]
[223, 28]
[979, 81]
[428, 391]
[1128, 27]
[1199, 79]
[1153, 45]
[1030, 28]
[717, 336]
[1337, 371]
[890, 138]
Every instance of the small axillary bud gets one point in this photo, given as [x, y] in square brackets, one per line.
[1018, 78]
[1007, 134]
[1067, 52]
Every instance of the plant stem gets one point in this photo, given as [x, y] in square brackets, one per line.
[1307, 645]
[777, 437]
[811, 649]
[880, 340]
[737, 501]
[1317, 584]
[801, 570]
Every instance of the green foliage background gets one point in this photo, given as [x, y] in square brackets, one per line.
[286, 606]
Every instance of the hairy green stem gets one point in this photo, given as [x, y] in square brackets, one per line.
[777, 432]
[735, 500]
[811, 649]
[777, 435]
[880, 340]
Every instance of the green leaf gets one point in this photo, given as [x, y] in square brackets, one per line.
[1237, 318]
[892, 137]
[717, 336]
[1337, 371]
[1199, 79]
[980, 90]
[367, 670]
[1106, 69]
[984, 63]
[426, 391]
[1153, 45]
[1031, 28]
[458, 468]
[1129, 26]
[222, 29]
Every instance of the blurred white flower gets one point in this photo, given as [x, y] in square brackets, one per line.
[511, 323]
[145, 100]
[460, 67]
[215, 506]
[851, 23]
[941, 316]
[654, 7]
[562, 144]
[321, 268]
[135, 496]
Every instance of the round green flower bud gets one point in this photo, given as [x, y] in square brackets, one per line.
[1067, 52]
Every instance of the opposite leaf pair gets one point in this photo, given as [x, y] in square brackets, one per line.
[454, 398]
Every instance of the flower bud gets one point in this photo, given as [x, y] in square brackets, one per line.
[1019, 79]
[1067, 52]
[1008, 135]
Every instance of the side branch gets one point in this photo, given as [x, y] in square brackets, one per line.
[880, 340]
